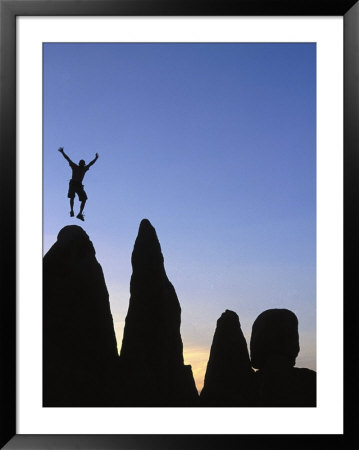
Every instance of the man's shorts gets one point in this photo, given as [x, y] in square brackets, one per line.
[76, 188]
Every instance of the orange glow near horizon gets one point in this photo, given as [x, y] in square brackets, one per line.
[196, 357]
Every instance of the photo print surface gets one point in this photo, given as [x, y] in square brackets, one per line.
[179, 185]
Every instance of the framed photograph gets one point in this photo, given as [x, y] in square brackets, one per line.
[176, 177]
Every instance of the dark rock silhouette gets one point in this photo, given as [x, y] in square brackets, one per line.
[152, 351]
[80, 355]
[274, 348]
[229, 376]
[81, 365]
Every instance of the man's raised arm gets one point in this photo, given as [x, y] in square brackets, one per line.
[93, 161]
[61, 150]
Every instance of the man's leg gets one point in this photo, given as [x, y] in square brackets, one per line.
[82, 206]
[80, 215]
[72, 207]
[82, 197]
[71, 196]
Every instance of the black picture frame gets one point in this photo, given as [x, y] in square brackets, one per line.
[9, 10]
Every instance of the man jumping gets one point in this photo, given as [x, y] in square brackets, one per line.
[75, 185]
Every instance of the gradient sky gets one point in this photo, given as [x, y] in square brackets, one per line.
[216, 145]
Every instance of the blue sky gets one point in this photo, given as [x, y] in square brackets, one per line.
[216, 145]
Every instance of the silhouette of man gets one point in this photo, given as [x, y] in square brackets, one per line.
[75, 185]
